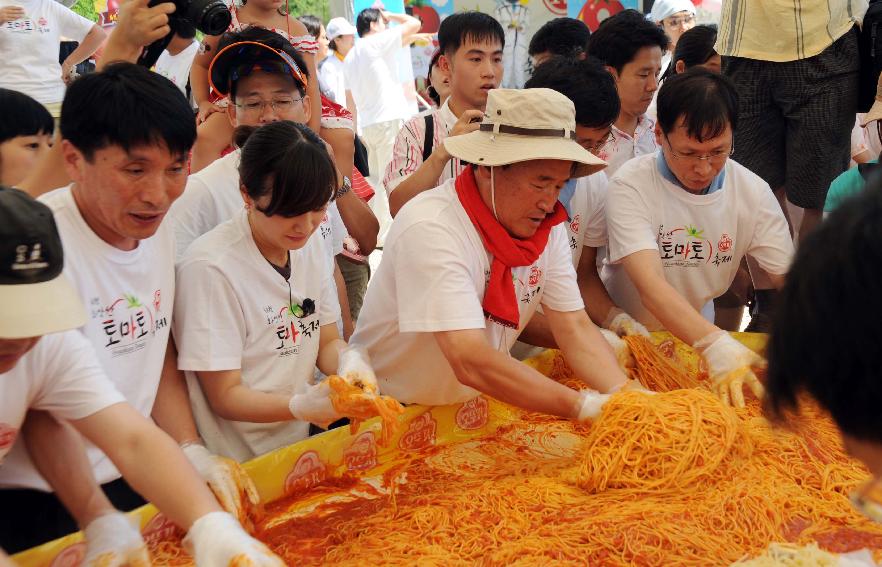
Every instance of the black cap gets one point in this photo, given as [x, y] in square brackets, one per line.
[30, 247]
[35, 298]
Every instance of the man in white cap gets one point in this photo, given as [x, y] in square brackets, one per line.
[469, 262]
[341, 35]
[674, 17]
[47, 364]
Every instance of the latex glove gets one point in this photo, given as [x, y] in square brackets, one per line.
[355, 368]
[231, 485]
[730, 365]
[113, 540]
[314, 405]
[623, 324]
[217, 540]
[590, 404]
[621, 350]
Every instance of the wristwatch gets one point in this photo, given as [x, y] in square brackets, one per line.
[346, 188]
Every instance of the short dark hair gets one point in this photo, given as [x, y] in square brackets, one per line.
[23, 116]
[561, 36]
[129, 106]
[586, 83]
[707, 102]
[288, 162]
[696, 46]
[825, 330]
[365, 18]
[183, 28]
[619, 38]
[270, 39]
[312, 24]
[471, 25]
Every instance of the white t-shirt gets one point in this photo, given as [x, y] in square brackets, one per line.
[30, 48]
[701, 239]
[332, 74]
[587, 227]
[129, 299]
[176, 68]
[371, 71]
[432, 278]
[622, 147]
[60, 375]
[232, 313]
[212, 197]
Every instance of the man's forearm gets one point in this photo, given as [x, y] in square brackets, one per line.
[502, 377]
[538, 333]
[151, 463]
[585, 350]
[171, 410]
[59, 454]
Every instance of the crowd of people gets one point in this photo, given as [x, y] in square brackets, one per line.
[184, 250]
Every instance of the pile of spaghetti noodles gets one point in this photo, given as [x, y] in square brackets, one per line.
[360, 404]
[508, 498]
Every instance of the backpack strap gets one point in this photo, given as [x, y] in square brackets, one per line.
[429, 139]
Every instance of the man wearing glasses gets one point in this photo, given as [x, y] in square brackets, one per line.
[680, 221]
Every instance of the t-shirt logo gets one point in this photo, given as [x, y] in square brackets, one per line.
[289, 327]
[725, 243]
[575, 223]
[128, 323]
[684, 246]
[535, 276]
[7, 437]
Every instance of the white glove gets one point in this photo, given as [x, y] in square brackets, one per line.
[623, 324]
[589, 405]
[355, 368]
[226, 478]
[113, 540]
[217, 540]
[730, 365]
[314, 405]
[621, 350]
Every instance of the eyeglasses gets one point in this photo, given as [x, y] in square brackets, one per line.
[598, 145]
[675, 23]
[714, 158]
[279, 105]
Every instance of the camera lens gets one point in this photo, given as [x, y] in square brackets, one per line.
[211, 17]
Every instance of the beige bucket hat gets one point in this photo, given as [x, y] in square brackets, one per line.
[524, 125]
[876, 110]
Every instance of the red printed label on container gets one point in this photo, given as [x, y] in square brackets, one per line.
[160, 528]
[420, 433]
[308, 471]
[71, 556]
[473, 414]
[362, 454]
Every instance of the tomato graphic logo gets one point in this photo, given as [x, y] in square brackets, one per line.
[7, 436]
[595, 11]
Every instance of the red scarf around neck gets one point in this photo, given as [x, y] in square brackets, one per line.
[500, 303]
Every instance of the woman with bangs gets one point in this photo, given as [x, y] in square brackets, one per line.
[256, 305]
[25, 135]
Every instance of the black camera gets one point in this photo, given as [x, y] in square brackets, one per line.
[211, 17]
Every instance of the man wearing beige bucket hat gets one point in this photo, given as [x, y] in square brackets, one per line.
[468, 263]
[47, 364]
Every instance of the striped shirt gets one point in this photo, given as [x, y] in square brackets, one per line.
[407, 154]
[784, 30]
